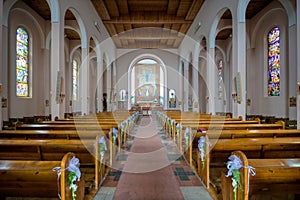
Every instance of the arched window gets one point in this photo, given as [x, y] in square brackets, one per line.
[220, 79]
[22, 63]
[123, 95]
[75, 79]
[274, 62]
[172, 100]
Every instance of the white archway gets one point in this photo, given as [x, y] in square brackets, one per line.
[162, 66]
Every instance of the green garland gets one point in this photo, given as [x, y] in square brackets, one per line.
[236, 181]
[101, 153]
[71, 183]
[73, 176]
[233, 166]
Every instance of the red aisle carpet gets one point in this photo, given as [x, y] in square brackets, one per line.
[147, 174]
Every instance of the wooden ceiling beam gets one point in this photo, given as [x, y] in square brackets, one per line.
[194, 9]
[172, 7]
[112, 7]
[101, 9]
[183, 8]
[148, 38]
[146, 21]
[123, 5]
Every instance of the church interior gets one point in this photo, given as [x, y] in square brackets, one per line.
[150, 99]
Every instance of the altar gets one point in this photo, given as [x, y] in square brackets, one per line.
[146, 111]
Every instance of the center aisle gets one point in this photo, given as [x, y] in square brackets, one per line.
[147, 173]
[151, 169]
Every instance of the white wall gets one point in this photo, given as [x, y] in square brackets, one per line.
[169, 57]
[20, 107]
[257, 64]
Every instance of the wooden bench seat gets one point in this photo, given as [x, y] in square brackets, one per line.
[62, 127]
[273, 176]
[37, 179]
[81, 122]
[52, 134]
[220, 149]
[227, 134]
[53, 149]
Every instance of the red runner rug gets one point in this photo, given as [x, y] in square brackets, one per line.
[147, 174]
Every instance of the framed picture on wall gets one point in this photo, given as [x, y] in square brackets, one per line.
[4, 102]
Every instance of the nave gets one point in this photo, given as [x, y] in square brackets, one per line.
[151, 168]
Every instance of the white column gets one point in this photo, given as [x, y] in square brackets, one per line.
[211, 81]
[84, 76]
[239, 63]
[298, 63]
[1, 59]
[57, 64]
[180, 92]
[114, 84]
[109, 88]
[186, 86]
[195, 83]
[4, 71]
[292, 62]
[46, 79]
[100, 84]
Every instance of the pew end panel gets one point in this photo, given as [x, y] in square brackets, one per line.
[242, 189]
[101, 161]
[272, 177]
[37, 179]
[66, 192]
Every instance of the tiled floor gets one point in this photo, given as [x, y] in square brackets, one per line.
[190, 185]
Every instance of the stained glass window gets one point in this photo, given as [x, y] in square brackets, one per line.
[75, 79]
[274, 62]
[22, 63]
[220, 79]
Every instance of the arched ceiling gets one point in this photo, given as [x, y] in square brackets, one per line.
[170, 19]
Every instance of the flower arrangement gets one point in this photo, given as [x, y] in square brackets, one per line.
[102, 149]
[114, 134]
[202, 149]
[233, 166]
[178, 127]
[122, 128]
[74, 174]
[187, 135]
[172, 125]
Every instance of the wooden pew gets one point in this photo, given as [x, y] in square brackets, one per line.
[37, 179]
[62, 127]
[52, 134]
[53, 149]
[272, 176]
[218, 128]
[230, 134]
[80, 122]
[220, 149]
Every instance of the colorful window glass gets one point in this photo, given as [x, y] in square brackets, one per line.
[22, 63]
[75, 79]
[220, 79]
[274, 62]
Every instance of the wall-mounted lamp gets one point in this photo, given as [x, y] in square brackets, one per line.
[97, 26]
[197, 26]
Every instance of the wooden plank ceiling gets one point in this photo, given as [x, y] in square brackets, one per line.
[146, 23]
